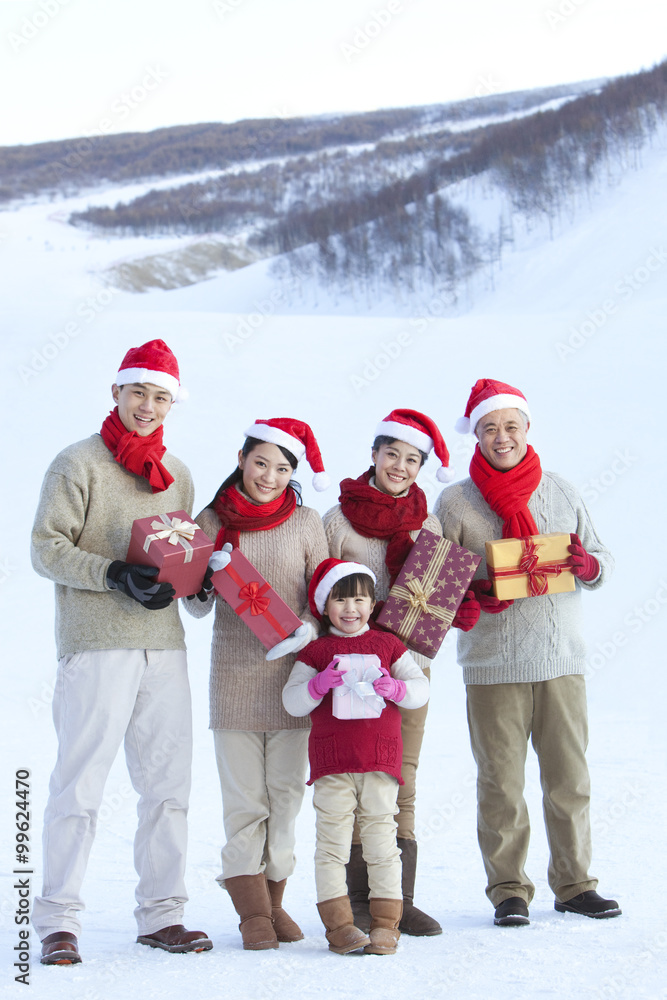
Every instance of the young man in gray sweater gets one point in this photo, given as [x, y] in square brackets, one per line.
[523, 663]
[122, 671]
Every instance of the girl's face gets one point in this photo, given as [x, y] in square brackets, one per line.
[396, 467]
[266, 472]
[349, 614]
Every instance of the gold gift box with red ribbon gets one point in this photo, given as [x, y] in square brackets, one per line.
[255, 601]
[176, 545]
[530, 567]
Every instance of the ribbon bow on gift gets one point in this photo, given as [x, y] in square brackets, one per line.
[175, 531]
[416, 595]
[251, 595]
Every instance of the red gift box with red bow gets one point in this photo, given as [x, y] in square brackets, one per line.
[255, 601]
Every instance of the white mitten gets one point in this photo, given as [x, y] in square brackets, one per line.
[299, 639]
[221, 558]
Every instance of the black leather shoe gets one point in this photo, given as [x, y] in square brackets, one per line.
[512, 912]
[589, 904]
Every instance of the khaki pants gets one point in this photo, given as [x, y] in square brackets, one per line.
[263, 780]
[413, 722]
[502, 718]
[373, 796]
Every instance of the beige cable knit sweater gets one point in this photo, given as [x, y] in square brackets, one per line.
[83, 522]
[245, 688]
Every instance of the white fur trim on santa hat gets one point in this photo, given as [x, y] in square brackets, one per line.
[129, 376]
[273, 435]
[404, 432]
[321, 481]
[503, 401]
[336, 573]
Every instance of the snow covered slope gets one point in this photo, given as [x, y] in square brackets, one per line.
[577, 322]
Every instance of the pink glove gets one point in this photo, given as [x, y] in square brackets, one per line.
[487, 602]
[468, 614]
[325, 680]
[389, 687]
[586, 567]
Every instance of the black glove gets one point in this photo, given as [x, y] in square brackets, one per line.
[135, 581]
[206, 586]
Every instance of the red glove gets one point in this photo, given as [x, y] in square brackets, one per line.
[487, 602]
[325, 680]
[468, 614]
[586, 567]
[389, 687]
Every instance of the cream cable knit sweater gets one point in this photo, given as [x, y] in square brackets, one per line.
[83, 522]
[536, 638]
[245, 688]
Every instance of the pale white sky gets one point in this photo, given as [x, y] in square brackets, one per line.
[79, 67]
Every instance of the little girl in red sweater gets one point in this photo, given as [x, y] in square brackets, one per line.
[355, 764]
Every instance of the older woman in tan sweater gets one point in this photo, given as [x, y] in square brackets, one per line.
[376, 523]
[261, 750]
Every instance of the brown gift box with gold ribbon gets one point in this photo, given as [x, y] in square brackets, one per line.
[422, 603]
[530, 567]
[176, 545]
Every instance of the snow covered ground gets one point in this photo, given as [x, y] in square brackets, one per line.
[578, 324]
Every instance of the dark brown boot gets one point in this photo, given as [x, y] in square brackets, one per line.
[177, 939]
[356, 875]
[342, 935]
[252, 902]
[60, 948]
[414, 921]
[385, 918]
[286, 929]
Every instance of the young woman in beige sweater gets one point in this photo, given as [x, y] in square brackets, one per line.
[261, 750]
[380, 514]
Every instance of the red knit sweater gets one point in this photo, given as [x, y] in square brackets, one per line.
[341, 746]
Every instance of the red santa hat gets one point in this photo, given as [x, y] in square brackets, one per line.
[421, 432]
[485, 396]
[297, 437]
[153, 362]
[326, 576]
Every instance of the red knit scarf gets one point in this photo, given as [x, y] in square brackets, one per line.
[238, 514]
[508, 493]
[140, 455]
[375, 514]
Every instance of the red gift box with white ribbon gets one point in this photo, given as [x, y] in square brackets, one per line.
[177, 546]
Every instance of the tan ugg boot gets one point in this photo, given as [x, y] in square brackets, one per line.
[414, 921]
[286, 929]
[252, 902]
[385, 918]
[342, 935]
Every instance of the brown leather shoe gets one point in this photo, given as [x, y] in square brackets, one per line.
[176, 939]
[60, 948]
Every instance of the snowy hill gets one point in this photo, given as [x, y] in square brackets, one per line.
[575, 318]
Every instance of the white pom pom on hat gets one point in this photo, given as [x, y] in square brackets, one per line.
[296, 436]
[487, 395]
[421, 432]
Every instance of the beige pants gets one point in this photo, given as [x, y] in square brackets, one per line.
[502, 718]
[336, 797]
[413, 722]
[262, 779]
[104, 698]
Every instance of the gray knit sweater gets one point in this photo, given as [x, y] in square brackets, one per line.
[536, 638]
[245, 688]
[83, 522]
